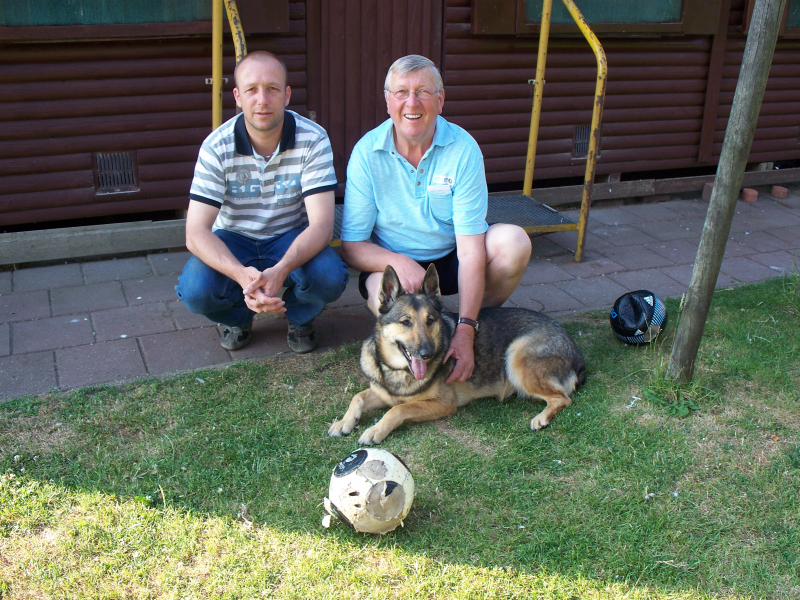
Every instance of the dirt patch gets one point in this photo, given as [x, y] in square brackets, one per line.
[467, 439]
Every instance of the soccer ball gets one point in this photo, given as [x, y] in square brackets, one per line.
[371, 490]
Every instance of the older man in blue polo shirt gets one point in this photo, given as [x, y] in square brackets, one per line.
[416, 194]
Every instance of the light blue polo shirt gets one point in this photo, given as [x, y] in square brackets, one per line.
[415, 211]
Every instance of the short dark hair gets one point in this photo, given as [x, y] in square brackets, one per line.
[261, 54]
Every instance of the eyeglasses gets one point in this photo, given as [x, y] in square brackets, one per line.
[422, 94]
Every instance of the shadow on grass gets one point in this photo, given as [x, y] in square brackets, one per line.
[615, 490]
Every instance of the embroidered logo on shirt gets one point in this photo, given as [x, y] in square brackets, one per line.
[243, 176]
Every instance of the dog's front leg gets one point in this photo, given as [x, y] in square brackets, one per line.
[419, 411]
[362, 401]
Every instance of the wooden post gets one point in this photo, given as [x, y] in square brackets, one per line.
[730, 172]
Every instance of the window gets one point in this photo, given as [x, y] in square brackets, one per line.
[604, 16]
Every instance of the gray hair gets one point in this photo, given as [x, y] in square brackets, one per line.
[408, 64]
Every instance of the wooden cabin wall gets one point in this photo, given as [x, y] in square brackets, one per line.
[60, 101]
[654, 103]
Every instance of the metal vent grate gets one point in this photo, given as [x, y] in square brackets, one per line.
[581, 145]
[116, 172]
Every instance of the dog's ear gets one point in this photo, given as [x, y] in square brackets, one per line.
[390, 290]
[430, 285]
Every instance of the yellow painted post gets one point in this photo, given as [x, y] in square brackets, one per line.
[597, 116]
[216, 64]
[538, 90]
[236, 30]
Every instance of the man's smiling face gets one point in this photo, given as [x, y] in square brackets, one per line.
[414, 119]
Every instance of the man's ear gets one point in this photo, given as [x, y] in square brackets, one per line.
[390, 289]
[288, 96]
[430, 284]
[236, 97]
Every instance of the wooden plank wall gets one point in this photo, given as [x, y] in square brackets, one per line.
[61, 101]
[354, 42]
[654, 104]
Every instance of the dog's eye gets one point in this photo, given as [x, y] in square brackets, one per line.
[406, 322]
[430, 320]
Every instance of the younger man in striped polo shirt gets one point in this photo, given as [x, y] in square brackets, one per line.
[260, 214]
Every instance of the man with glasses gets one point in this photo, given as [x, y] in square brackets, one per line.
[416, 194]
[260, 216]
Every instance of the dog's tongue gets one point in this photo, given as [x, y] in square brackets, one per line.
[419, 368]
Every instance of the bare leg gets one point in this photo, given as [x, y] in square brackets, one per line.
[508, 250]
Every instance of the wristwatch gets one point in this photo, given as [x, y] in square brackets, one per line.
[470, 322]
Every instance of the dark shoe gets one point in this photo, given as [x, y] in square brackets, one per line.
[301, 340]
[233, 338]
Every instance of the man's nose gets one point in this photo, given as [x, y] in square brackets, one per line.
[412, 99]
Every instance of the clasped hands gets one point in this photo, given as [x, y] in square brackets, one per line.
[262, 289]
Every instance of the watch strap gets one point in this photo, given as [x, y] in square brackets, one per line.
[470, 322]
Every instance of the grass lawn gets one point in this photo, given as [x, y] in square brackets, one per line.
[210, 485]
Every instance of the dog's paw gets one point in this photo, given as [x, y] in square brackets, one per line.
[339, 428]
[538, 422]
[373, 435]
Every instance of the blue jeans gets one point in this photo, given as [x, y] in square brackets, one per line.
[310, 287]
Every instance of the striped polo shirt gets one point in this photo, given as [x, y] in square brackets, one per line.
[262, 197]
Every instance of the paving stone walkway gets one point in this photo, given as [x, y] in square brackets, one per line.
[94, 322]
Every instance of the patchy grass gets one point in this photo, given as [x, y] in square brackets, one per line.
[209, 485]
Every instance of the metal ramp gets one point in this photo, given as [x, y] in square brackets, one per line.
[532, 216]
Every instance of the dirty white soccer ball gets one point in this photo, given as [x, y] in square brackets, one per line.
[371, 490]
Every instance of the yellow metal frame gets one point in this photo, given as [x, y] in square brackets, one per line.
[216, 52]
[597, 115]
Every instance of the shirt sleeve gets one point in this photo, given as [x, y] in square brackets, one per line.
[470, 194]
[360, 210]
[208, 185]
[318, 173]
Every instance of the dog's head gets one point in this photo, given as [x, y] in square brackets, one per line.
[410, 325]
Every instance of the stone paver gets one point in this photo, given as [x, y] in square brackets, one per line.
[116, 269]
[24, 306]
[542, 247]
[635, 257]
[150, 289]
[624, 235]
[653, 212]
[131, 321]
[745, 270]
[82, 298]
[782, 262]
[185, 319]
[543, 271]
[683, 275]
[790, 235]
[653, 280]
[670, 230]
[593, 264]
[26, 374]
[568, 239]
[5, 341]
[613, 216]
[168, 263]
[44, 278]
[760, 241]
[680, 252]
[595, 292]
[5, 282]
[182, 350]
[99, 363]
[49, 334]
[351, 324]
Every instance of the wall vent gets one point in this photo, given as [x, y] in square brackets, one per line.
[116, 172]
[580, 147]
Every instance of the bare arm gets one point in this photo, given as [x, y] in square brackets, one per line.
[471, 278]
[369, 257]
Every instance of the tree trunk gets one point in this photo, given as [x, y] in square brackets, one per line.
[730, 172]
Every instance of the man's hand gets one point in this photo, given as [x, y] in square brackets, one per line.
[261, 293]
[461, 349]
[409, 272]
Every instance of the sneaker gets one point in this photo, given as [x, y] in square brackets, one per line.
[301, 340]
[233, 338]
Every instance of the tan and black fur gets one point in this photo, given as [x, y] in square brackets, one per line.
[516, 351]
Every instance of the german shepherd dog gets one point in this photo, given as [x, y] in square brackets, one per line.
[516, 351]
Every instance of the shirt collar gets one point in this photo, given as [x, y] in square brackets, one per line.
[441, 136]
[245, 147]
